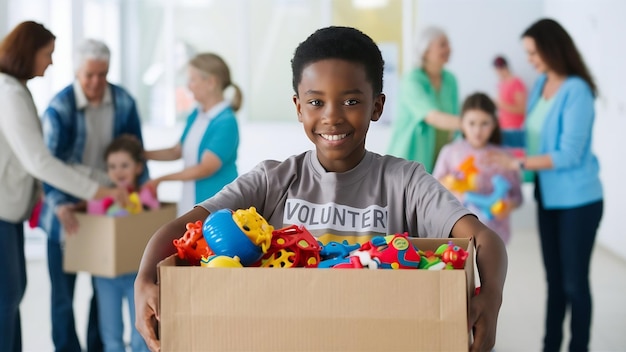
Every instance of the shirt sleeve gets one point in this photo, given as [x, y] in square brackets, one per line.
[24, 135]
[577, 125]
[417, 99]
[225, 140]
[436, 209]
[249, 189]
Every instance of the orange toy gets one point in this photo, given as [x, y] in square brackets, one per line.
[464, 179]
[192, 245]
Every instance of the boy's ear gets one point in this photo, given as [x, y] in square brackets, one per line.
[296, 102]
[379, 102]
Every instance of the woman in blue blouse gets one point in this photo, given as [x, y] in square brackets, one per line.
[210, 139]
[568, 190]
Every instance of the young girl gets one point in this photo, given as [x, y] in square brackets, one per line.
[124, 160]
[459, 159]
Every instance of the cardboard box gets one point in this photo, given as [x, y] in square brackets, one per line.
[298, 309]
[110, 246]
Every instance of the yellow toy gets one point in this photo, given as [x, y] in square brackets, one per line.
[221, 261]
[134, 204]
[258, 230]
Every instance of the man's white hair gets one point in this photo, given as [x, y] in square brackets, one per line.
[423, 41]
[90, 49]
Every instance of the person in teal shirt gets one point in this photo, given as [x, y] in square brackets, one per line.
[210, 139]
[568, 190]
[428, 103]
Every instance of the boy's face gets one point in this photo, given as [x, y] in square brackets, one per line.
[122, 169]
[335, 104]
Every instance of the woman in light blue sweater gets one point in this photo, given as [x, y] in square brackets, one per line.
[568, 190]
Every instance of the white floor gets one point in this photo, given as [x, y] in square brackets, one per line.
[521, 318]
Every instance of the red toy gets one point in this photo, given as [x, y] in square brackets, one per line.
[453, 255]
[291, 246]
[192, 245]
[393, 251]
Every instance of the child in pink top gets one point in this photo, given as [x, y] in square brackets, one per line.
[462, 165]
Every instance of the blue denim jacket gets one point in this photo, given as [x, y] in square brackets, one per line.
[65, 135]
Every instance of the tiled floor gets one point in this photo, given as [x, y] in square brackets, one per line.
[521, 317]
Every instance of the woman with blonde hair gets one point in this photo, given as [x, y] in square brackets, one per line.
[428, 103]
[208, 145]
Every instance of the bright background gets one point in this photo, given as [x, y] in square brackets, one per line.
[152, 39]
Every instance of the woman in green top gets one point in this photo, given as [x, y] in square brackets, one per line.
[428, 103]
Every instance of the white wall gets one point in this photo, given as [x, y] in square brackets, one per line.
[598, 29]
[478, 31]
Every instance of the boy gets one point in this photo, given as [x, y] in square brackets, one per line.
[341, 189]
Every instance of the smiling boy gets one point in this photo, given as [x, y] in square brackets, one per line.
[340, 190]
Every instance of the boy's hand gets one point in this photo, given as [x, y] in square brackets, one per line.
[484, 310]
[65, 213]
[147, 312]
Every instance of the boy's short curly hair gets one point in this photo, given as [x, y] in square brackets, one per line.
[344, 43]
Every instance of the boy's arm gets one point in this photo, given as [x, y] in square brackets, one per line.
[491, 259]
[146, 289]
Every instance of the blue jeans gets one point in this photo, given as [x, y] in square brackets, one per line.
[567, 240]
[111, 293]
[62, 307]
[13, 284]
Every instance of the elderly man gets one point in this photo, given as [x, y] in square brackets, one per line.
[79, 123]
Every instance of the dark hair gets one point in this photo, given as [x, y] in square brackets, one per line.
[18, 49]
[126, 143]
[344, 43]
[558, 50]
[500, 62]
[480, 101]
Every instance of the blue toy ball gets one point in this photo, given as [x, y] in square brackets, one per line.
[224, 237]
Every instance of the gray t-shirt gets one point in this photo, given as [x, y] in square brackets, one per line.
[382, 195]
